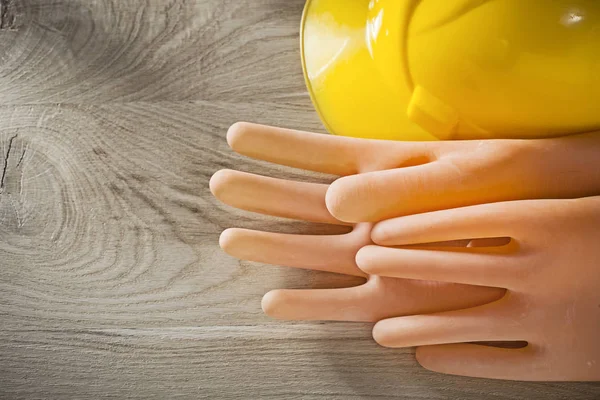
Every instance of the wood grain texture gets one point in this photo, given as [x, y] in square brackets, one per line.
[81, 51]
[112, 119]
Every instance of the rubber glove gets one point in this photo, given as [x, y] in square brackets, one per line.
[551, 268]
[385, 179]
[561, 168]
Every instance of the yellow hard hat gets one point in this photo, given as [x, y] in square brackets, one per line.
[453, 69]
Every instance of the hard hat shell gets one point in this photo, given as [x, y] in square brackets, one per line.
[461, 69]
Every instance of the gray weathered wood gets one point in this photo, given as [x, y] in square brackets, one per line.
[112, 285]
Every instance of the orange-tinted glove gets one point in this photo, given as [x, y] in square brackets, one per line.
[385, 179]
[407, 178]
[551, 269]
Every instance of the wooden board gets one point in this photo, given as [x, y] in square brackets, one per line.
[112, 284]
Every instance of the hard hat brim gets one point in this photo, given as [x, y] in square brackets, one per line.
[347, 87]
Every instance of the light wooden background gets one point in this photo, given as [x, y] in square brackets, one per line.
[113, 115]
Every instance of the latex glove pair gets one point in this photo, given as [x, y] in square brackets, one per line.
[537, 193]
